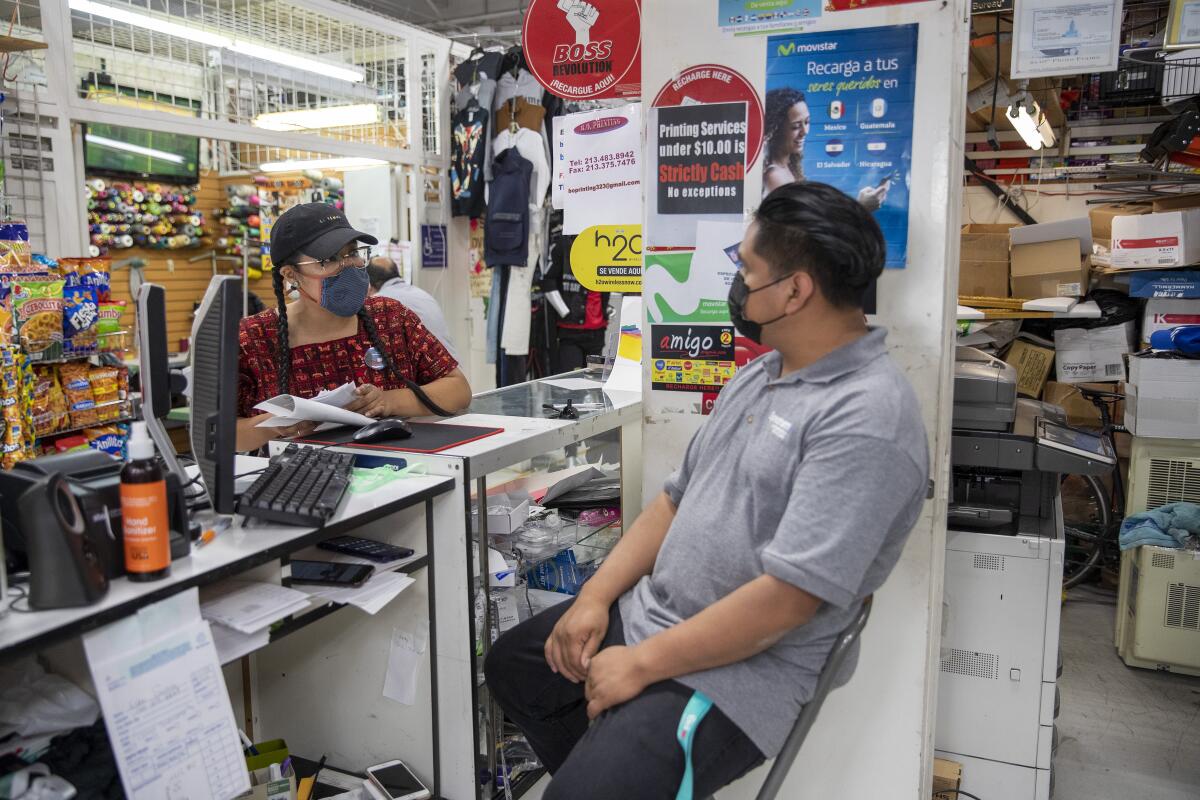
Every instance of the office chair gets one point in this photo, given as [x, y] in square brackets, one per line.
[808, 714]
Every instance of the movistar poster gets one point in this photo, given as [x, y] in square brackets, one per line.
[839, 110]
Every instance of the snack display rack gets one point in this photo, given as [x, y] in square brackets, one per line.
[63, 385]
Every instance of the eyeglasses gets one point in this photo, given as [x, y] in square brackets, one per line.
[357, 258]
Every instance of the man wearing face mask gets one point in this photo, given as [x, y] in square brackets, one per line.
[331, 333]
[725, 596]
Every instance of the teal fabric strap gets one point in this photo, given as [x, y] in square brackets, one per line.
[689, 720]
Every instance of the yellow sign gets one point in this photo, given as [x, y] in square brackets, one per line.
[608, 258]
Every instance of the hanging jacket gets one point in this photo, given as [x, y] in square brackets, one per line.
[468, 146]
[506, 231]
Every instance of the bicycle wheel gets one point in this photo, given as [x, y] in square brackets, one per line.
[1086, 543]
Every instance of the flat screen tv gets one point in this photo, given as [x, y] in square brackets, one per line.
[135, 153]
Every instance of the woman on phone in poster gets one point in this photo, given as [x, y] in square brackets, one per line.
[786, 124]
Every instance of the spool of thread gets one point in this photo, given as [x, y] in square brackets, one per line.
[196, 219]
[223, 242]
[339, 205]
[139, 196]
[188, 230]
[126, 241]
[254, 274]
[253, 220]
[261, 179]
[96, 184]
[331, 184]
[312, 174]
[139, 239]
[94, 251]
[254, 261]
[253, 233]
[255, 201]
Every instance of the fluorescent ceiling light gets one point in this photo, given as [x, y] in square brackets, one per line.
[202, 36]
[134, 148]
[1031, 123]
[314, 118]
[320, 163]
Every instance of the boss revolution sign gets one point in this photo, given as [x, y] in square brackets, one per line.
[585, 50]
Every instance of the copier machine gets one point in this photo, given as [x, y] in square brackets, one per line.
[997, 692]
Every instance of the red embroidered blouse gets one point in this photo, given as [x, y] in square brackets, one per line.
[416, 353]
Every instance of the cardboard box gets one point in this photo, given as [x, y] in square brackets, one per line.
[1101, 218]
[1033, 366]
[947, 776]
[1163, 398]
[1177, 202]
[1167, 239]
[1161, 315]
[1165, 283]
[985, 242]
[983, 278]
[505, 513]
[1049, 269]
[983, 260]
[1084, 355]
[1080, 411]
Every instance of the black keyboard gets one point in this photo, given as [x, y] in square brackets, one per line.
[303, 486]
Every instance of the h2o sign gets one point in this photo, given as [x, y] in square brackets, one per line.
[582, 50]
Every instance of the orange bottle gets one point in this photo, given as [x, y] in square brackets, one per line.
[144, 511]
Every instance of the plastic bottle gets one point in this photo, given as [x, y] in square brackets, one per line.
[144, 511]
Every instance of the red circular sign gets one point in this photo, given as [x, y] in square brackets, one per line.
[713, 83]
[583, 50]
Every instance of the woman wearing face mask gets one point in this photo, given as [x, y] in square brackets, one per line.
[331, 333]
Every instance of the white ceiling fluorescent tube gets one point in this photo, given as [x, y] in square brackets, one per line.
[191, 33]
[308, 119]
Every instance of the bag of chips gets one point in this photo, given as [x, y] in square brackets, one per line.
[15, 255]
[109, 333]
[107, 439]
[106, 390]
[49, 402]
[81, 402]
[37, 304]
[80, 314]
[91, 272]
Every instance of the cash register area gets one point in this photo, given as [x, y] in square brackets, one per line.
[280, 687]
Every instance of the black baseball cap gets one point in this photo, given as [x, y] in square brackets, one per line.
[315, 229]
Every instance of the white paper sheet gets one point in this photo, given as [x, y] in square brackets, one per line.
[328, 407]
[404, 663]
[165, 704]
[381, 589]
[573, 384]
[598, 161]
[232, 645]
[250, 606]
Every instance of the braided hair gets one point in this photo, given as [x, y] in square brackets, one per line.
[776, 127]
[284, 350]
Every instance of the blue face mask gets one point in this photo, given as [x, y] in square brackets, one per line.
[345, 293]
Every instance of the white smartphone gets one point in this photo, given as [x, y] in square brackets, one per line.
[396, 781]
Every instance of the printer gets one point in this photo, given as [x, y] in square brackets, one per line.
[1009, 453]
[1003, 580]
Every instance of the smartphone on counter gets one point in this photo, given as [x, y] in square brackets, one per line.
[326, 573]
[396, 781]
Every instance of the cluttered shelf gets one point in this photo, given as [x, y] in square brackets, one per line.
[234, 551]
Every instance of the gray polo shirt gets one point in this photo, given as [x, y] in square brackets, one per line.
[815, 478]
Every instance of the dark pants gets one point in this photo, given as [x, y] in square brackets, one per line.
[628, 752]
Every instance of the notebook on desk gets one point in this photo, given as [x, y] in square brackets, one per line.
[427, 437]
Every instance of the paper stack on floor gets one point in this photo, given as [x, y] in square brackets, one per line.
[381, 589]
[242, 613]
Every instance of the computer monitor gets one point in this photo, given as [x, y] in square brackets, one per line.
[154, 371]
[214, 388]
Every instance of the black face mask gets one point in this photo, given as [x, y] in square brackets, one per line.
[738, 295]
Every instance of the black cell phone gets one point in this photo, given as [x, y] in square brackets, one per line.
[326, 573]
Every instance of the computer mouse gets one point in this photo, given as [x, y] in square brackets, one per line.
[388, 428]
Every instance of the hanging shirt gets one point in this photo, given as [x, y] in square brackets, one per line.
[416, 353]
[529, 144]
[467, 150]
